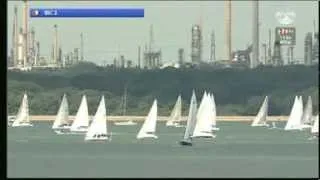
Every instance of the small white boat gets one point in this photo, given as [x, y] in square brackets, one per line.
[81, 122]
[261, 118]
[148, 128]
[191, 122]
[175, 116]
[294, 121]
[23, 118]
[61, 124]
[203, 127]
[125, 123]
[97, 130]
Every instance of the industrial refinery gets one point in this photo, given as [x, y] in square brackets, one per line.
[25, 52]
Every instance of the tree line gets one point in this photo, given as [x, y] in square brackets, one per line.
[236, 91]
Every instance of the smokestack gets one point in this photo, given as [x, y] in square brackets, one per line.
[269, 49]
[25, 25]
[139, 57]
[213, 47]
[181, 56]
[151, 43]
[15, 37]
[37, 55]
[255, 35]
[32, 45]
[55, 49]
[228, 29]
[81, 44]
[20, 48]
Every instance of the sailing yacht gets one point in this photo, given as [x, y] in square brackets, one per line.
[124, 104]
[22, 118]
[175, 116]
[214, 114]
[148, 128]
[81, 122]
[294, 121]
[306, 119]
[261, 118]
[61, 123]
[191, 122]
[315, 127]
[203, 127]
[97, 130]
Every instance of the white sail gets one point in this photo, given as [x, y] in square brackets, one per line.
[315, 127]
[62, 117]
[81, 121]
[307, 113]
[22, 118]
[261, 118]
[149, 126]
[294, 121]
[98, 128]
[214, 114]
[192, 117]
[175, 116]
[203, 127]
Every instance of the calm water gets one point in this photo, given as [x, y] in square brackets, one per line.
[238, 151]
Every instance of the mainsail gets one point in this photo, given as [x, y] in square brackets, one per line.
[307, 113]
[175, 116]
[294, 121]
[82, 118]
[261, 118]
[98, 128]
[62, 117]
[149, 126]
[23, 113]
[192, 117]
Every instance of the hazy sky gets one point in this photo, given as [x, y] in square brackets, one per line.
[172, 22]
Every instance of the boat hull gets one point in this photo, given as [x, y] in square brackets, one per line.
[22, 125]
[185, 143]
[147, 136]
[130, 123]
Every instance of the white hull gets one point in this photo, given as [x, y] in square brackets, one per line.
[128, 123]
[260, 125]
[215, 128]
[147, 136]
[22, 125]
[176, 124]
[306, 126]
[203, 135]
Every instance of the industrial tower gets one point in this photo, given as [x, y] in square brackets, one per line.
[228, 30]
[255, 35]
[196, 44]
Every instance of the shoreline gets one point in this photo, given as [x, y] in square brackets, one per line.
[163, 118]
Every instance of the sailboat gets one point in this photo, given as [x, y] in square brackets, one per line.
[22, 118]
[307, 114]
[148, 128]
[97, 130]
[214, 114]
[61, 123]
[315, 127]
[191, 122]
[124, 104]
[81, 122]
[204, 122]
[294, 121]
[261, 118]
[175, 117]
